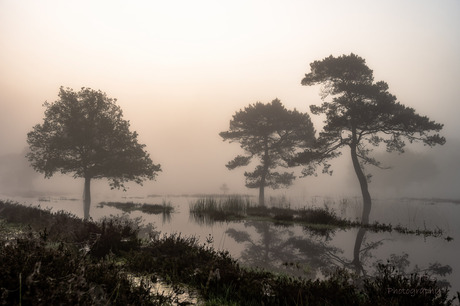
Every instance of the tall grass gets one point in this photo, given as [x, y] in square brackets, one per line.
[222, 208]
[237, 207]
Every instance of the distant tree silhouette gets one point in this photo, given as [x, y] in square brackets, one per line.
[273, 134]
[84, 133]
[224, 188]
[360, 113]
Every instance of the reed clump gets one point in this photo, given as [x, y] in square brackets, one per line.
[231, 207]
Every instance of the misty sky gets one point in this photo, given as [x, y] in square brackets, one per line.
[181, 69]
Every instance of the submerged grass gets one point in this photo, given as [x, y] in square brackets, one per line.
[49, 264]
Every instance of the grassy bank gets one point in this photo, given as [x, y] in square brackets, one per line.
[164, 208]
[56, 258]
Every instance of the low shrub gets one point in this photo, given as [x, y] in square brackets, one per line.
[282, 214]
[320, 216]
[391, 287]
[35, 272]
[116, 234]
[62, 226]
[258, 211]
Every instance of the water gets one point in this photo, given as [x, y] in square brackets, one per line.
[298, 251]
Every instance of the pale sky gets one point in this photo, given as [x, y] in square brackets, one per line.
[181, 69]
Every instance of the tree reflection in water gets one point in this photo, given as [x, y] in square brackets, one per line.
[312, 255]
[363, 265]
[278, 249]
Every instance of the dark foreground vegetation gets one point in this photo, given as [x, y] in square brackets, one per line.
[56, 258]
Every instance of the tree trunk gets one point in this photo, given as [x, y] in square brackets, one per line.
[265, 161]
[262, 194]
[367, 203]
[266, 241]
[87, 197]
[357, 249]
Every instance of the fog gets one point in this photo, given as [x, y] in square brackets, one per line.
[181, 69]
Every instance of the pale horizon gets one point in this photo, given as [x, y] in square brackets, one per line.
[181, 69]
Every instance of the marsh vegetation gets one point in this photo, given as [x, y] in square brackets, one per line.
[122, 260]
[233, 208]
[164, 208]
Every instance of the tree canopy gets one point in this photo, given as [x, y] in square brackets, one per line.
[272, 134]
[360, 115]
[84, 133]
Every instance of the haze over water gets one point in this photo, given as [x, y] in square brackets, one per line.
[180, 70]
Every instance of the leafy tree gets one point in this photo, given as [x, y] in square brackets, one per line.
[361, 113]
[273, 134]
[84, 133]
[224, 188]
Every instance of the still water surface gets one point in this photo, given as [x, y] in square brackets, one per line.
[298, 251]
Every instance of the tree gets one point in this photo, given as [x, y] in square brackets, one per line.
[361, 113]
[84, 133]
[273, 134]
[224, 188]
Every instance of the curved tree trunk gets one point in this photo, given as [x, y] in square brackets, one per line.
[357, 249]
[367, 202]
[87, 197]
